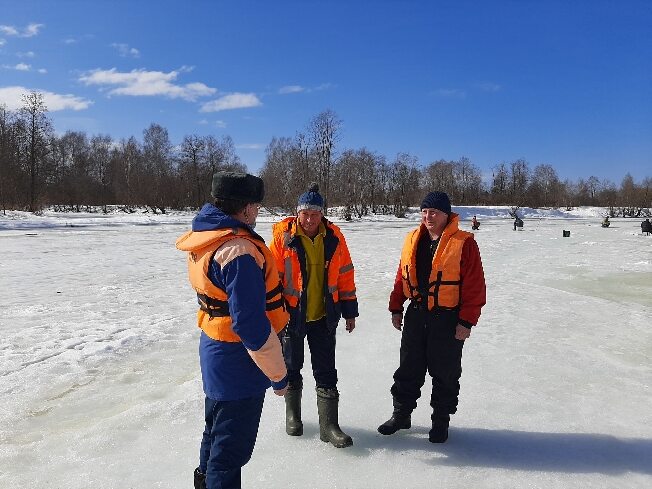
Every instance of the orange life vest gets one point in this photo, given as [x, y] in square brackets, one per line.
[340, 282]
[445, 280]
[213, 316]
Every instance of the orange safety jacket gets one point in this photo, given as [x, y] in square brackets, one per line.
[340, 291]
[445, 282]
[213, 316]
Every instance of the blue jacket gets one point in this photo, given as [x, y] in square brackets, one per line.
[228, 371]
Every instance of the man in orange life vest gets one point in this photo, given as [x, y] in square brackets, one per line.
[441, 273]
[318, 287]
[241, 312]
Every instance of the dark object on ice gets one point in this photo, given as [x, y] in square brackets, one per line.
[646, 227]
[566, 234]
[518, 223]
[200, 479]
[606, 222]
[439, 431]
[400, 420]
[475, 224]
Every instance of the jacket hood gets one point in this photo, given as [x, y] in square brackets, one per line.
[210, 218]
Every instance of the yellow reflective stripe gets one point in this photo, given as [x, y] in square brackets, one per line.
[332, 288]
[344, 295]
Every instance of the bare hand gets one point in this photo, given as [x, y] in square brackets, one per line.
[397, 321]
[281, 392]
[462, 332]
[350, 324]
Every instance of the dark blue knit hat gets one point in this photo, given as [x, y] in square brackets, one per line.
[311, 200]
[437, 200]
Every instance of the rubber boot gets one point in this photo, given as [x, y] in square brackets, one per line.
[293, 424]
[400, 420]
[439, 431]
[200, 479]
[329, 429]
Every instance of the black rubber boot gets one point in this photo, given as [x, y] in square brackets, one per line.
[293, 424]
[200, 479]
[400, 420]
[329, 429]
[439, 431]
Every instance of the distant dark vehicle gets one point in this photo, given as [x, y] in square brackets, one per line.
[646, 227]
[518, 223]
[475, 224]
[606, 222]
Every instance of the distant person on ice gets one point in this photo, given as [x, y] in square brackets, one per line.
[440, 273]
[240, 314]
[475, 224]
[319, 288]
[605, 222]
[646, 226]
[518, 222]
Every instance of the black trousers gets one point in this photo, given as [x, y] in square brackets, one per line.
[321, 341]
[428, 344]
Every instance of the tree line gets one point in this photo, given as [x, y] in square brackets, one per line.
[73, 171]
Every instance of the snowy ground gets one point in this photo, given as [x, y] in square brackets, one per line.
[100, 386]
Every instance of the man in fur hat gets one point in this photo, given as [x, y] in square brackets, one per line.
[240, 314]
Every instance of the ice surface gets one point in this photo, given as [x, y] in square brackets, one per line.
[100, 385]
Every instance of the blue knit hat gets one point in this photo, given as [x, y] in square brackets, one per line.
[437, 200]
[311, 200]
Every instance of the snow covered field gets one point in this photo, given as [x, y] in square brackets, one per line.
[100, 384]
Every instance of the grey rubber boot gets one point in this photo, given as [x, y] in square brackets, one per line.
[329, 429]
[293, 424]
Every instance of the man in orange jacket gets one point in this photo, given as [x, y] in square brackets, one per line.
[440, 272]
[318, 286]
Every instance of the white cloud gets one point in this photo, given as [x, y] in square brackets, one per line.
[2, 42]
[12, 98]
[250, 146]
[29, 31]
[451, 92]
[42, 71]
[291, 89]
[489, 87]
[146, 83]
[125, 51]
[298, 88]
[8, 30]
[18, 67]
[70, 40]
[28, 54]
[232, 101]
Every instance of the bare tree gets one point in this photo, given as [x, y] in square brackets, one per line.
[38, 127]
[324, 131]
[404, 183]
[520, 175]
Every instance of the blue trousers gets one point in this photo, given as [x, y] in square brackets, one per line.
[228, 440]
[321, 341]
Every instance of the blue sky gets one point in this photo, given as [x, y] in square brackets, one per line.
[562, 82]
